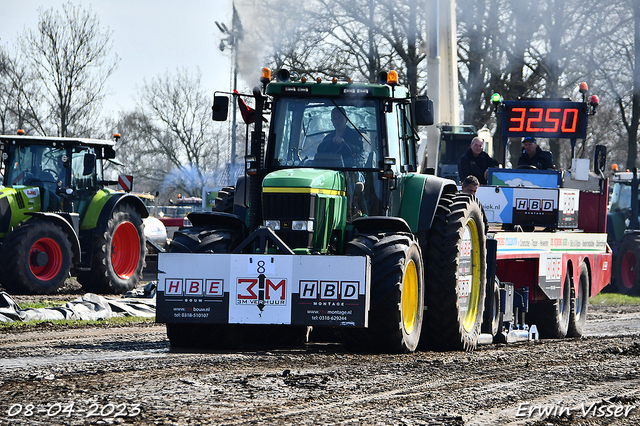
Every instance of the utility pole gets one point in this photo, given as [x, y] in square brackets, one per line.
[442, 73]
[231, 39]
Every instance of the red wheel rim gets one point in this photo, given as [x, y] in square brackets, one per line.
[125, 250]
[629, 269]
[52, 267]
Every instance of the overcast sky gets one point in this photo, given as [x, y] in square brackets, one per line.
[150, 37]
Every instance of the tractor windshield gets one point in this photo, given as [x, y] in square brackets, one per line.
[37, 165]
[317, 132]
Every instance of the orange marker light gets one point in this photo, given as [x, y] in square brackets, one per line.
[392, 78]
[265, 75]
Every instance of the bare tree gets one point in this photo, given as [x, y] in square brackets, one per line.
[71, 57]
[20, 96]
[346, 38]
[618, 61]
[174, 122]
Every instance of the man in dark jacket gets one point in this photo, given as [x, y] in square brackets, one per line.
[534, 156]
[475, 162]
[343, 140]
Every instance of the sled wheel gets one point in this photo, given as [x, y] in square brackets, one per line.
[552, 317]
[118, 254]
[492, 318]
[456, 275]
[39, 253]
[579, 305]
[397, 293]
[627, 263]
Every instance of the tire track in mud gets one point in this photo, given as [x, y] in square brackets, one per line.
[319, 385]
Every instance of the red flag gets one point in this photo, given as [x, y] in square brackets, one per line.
[248, 113]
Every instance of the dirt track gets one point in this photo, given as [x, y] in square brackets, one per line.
[129, 375]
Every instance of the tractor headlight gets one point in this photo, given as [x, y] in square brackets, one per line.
[273, 224]
[302, 225]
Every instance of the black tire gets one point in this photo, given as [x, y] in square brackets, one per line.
[203, 239]
[492, 317]
[118, 254]
[579, 305]
[552, 317]
[456, 247]
[225, 199]
[39, 255]
[627, 264]
[397, 293]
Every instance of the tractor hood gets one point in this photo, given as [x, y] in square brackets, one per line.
[317, 181]
[16, 203]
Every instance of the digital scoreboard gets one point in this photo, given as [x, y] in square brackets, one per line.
[544, 119]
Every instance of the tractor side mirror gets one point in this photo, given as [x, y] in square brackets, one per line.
[109, 152]
[220, 108]
[423, 107]
[599, 159]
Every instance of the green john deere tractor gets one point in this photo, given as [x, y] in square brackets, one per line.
[57, 217]
[330, 228]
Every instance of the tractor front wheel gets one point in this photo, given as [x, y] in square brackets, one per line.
[397, 293]
[118, 254]
[39, 253]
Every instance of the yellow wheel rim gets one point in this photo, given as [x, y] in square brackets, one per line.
[410, 297]
[469, 276]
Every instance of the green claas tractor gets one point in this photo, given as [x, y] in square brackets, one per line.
[57, 217]
[330, 228]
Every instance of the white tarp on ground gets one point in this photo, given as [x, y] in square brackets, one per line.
[140, 302]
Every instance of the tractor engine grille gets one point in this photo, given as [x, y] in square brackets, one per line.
[286, 208]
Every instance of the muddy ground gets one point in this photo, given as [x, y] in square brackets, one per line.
[129, 375]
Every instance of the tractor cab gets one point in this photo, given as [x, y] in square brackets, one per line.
[63, 174]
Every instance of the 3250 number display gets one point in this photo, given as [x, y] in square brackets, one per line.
[547, 119]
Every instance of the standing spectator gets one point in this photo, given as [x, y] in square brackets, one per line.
[534, 156]
[475, 162]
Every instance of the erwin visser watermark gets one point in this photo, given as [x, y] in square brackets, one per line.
[595, 409]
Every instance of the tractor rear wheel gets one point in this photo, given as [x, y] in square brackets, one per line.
[456, 273]
[39, 253]
[552, 317]
[627, 263]
[397, 293]
[118, 254]
[579, 305]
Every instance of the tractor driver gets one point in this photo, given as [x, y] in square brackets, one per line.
[343, 140]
